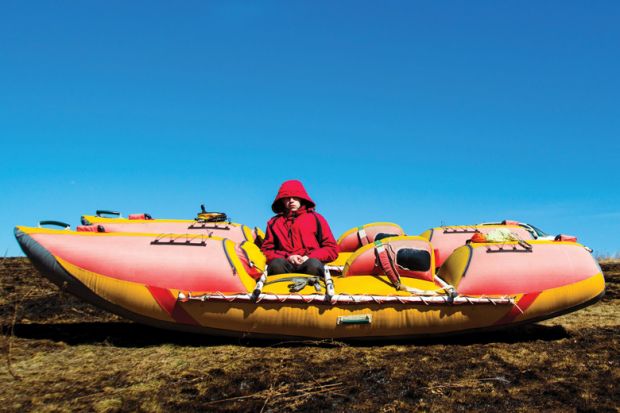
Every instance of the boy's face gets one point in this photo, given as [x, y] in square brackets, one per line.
[292, 203]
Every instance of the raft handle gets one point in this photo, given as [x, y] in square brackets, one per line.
[55, 223]
[527, 247]
[100, 212]
[204, 225]
[467, 230]
[179, 243]
[354, 319]
[179, 240]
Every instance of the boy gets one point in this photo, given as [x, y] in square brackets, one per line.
[297, 239]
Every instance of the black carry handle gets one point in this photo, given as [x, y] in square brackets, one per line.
[56, 223]
[105, 212]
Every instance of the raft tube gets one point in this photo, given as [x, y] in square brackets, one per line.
[446, 239]
[355, 238]
[143, 223]
[212, 285]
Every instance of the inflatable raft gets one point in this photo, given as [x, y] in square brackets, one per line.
[446, 239]
[386, 288]
[209, 223]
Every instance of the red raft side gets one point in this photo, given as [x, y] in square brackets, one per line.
[446, 239]
[512, 268]
[234, 232]
[183, 263]
[356, 238]
[139, 216]
[365, 260]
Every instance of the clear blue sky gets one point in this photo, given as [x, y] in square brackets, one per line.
[421, 113]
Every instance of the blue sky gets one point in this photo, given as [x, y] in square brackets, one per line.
[420, 113]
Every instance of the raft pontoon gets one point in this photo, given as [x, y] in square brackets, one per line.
[386, 288]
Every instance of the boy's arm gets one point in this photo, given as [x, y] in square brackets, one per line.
[328, 250]
[268, 248]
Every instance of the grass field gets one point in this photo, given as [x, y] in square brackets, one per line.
[60, 354]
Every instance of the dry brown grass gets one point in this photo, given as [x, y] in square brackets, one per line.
[70, 356]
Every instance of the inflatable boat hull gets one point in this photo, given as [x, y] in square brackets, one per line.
[233, 231]
[152, 280]
[446, 239]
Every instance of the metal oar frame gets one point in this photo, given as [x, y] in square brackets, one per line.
[331, 298]
[346, 299]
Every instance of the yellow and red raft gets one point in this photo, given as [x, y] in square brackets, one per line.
[209, 223]
[385, 288]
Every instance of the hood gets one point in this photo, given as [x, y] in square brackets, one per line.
[288, 189]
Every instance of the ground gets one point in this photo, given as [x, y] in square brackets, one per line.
[60, 354]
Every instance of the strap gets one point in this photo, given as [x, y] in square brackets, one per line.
[319, 229]
[299, 283]
[276, 240]
[387, 263]
[362, 236]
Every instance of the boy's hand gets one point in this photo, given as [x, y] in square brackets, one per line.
[297, 259]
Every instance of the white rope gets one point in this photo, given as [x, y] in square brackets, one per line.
[349, 299]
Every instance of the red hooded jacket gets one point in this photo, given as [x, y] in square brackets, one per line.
[301, 232]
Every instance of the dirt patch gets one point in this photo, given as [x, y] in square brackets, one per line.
[62, 354]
